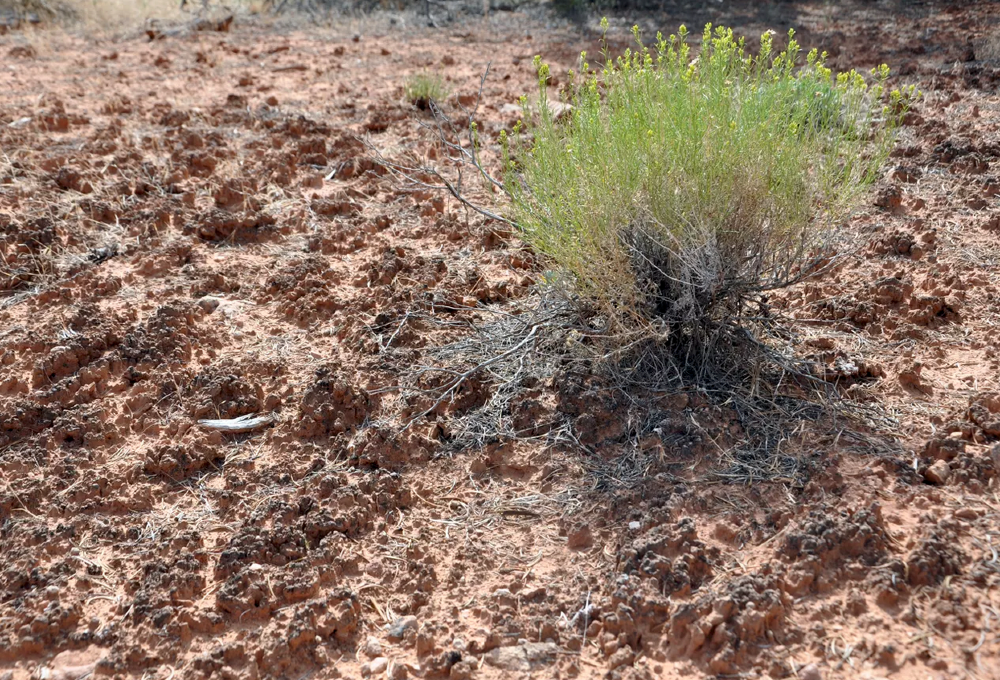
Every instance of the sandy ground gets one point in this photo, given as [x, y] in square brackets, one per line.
[191, 229]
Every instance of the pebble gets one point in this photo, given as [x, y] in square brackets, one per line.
[397, 629]
[580, 538]
[966, 512]
[463, 670]
[504, 597]
[209, 303]
[810, 672]
[378, 665]
[522, 658]
[373, 648]
[938, 473]
[621, 657]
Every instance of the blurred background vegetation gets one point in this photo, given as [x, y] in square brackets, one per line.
[122, 12]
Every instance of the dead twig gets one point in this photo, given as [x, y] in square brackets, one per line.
[247, 423]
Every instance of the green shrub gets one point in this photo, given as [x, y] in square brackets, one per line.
[574, 10]
[422, 89]
[677, 190]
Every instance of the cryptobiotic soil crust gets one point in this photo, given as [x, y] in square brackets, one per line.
[191, 228]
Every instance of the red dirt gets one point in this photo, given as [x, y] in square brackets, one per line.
[190, 229]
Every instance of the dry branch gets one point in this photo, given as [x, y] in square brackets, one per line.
[247, 423]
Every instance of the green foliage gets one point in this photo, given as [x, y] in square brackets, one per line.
[575, 10]
[680, 187]
[423, 88]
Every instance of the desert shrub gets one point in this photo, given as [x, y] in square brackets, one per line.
[424, 88]
[115, 15]
[37, 10]
[678, 190]
[575, 10]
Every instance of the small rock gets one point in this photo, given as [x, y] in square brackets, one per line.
[73, 665]
[378, 665]
[508, 658]
[534, 594]
[992, 427]
[622, 657]
[580, 538]
[810, 672]
[397, 629]
[906, 174]
[855, 602]
[634, 526]
[540, 652]
[504, 597]
[73, 672]
[209, 303]
[953, 304]
[890, 197]
[966, 512]
[398, 672]
[373, 648]
[911, 377]
[938, 473]
[522, 657]
[885, 655]
[463, 670]
[425, 643]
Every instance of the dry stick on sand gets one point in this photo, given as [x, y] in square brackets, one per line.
[246, 423]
